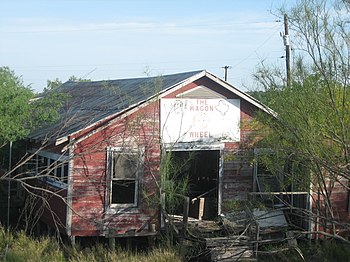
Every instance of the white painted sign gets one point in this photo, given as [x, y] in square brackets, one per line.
[205, 120]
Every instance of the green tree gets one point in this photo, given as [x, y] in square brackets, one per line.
[54, 84]
[15, 109]
[313, 114]
[21, 110]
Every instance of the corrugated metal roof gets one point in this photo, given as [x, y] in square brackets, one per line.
[90, 102]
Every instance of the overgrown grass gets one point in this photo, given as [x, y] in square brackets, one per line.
[20, 247]
[100, 253]
[327, 251]
[23, 248]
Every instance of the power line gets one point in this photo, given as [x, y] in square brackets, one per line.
[56, 67]
[262, 44]
[141, 26]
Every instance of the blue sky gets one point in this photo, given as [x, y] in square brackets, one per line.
[45, 39]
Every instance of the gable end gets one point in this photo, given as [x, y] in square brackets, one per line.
[200, 92]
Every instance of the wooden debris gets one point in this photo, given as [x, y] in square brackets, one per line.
[241, 253]
[232, 240]
[230, 248]
[292, 242]
[202, 226]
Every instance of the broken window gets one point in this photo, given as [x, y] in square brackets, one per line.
[268, 173]
[65, 172]
[125, 172]
[61, 171]
[266, 181]
[275, 172]
[49, 167]
[42, 164]
[31, 165]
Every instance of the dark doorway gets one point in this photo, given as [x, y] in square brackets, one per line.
[202, 170]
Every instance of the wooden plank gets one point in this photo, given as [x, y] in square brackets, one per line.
[231, 253]
[133, 234]
[278, 193]
[201, 208]
[291, 239]
[185, 212]
[226, 241]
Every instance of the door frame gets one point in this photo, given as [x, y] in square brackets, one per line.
[203, 147]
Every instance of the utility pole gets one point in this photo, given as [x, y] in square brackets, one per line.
[226, 68]
[287, 45]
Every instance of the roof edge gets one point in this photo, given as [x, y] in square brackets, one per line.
[198, 74]
[242, 94]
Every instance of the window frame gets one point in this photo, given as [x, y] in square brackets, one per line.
[46, 167]
[258, 178]
[110, 166]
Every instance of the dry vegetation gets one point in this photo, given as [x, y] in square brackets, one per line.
[20, 247]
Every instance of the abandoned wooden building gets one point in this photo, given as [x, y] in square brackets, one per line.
[106, 159]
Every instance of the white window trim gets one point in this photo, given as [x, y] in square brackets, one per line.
[127, 150]
[53, 158]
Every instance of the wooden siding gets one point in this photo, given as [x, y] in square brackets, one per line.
[339, 198]
[237, 179]
[204, 82]
[50, 205]
[238, 160]
[237, 175]
[140, 128]
[91, 215]
[248, 135]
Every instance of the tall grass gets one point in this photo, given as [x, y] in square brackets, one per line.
[23, 248]
[326, 251]
[20, 247]
[99, 253]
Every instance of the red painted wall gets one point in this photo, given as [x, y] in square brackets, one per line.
[50, 204]
[237, 168]
[339, 198]
[90, 216]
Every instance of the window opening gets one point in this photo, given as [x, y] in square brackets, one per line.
[124, 178]
[65, 172]
[48, 169]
